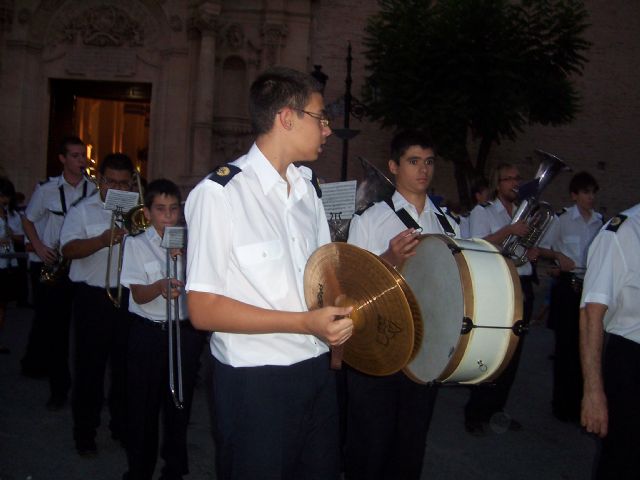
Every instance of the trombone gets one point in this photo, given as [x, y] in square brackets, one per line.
[173, 323]
[134, 222]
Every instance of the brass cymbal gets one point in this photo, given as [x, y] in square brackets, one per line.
[384, 333]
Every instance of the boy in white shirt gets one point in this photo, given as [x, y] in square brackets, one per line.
[144, 273]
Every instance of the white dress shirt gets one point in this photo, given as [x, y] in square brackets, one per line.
[47, 211]
[378, 224]
[250, 241]
[613, 275]
[571, 235]
[14, 222]
[489, 218]
[89, 219]
[144, 263]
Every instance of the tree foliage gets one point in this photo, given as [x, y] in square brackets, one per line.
[487, 68]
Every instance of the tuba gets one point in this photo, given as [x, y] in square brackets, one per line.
[535, 213]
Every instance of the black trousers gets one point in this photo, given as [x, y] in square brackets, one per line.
[564, 315]
[619, 457]
[101, 335]
[35, 359]
[58, 298]
[487, 399]
[276, 423]
[387, 422]
[148, 394]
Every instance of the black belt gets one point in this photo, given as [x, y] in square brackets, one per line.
[573, 280]
[160, 325]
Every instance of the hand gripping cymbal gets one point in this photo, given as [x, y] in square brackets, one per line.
[383, 340]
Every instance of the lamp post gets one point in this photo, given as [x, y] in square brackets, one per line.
[346, 133]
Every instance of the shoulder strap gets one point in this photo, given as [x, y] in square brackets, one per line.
[224, 174]
[403, 215]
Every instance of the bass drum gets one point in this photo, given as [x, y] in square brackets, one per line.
[471, 305]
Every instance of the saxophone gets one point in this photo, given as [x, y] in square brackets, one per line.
[536, 214]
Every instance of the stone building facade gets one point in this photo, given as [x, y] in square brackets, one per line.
[193, 61]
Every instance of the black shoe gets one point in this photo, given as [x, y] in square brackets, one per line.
[4, 350]
[56, 403]
[474, 427]
[86, 448]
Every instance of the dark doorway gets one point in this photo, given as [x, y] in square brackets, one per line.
[108, 116]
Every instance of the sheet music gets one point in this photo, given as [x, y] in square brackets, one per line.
[174, 237]
[339, 199]
[119, 200]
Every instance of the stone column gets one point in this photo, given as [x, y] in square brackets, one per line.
[205, 21]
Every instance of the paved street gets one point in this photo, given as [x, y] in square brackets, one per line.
[36, 444]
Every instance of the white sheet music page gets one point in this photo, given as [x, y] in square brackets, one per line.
[339, 199]
[119, 200]
[174, 237]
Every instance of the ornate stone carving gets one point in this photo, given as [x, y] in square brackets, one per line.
[206, 19]
[234, 36]
[273, 38]
[103, 26]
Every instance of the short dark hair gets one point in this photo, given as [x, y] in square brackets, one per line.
[478, 186]
[583, 181]
[116, 161]
[8, 190]
[67, 141]
[161, 186]
[275, 89]
[405, 139]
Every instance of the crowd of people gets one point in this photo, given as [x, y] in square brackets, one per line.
[280, 411]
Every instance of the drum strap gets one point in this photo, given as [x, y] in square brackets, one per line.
[409, 222]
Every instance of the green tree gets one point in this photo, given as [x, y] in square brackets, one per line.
[479, 68]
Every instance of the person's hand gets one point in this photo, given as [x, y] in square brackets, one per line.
[532, 254]
[519, 229]
[175, 252]
[176, 288]
[595, 415]
[46, 254]
[402, 246]
[330, 324]
[118, 235]
[564, 262]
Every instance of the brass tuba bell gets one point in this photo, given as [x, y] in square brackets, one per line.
[536, 214]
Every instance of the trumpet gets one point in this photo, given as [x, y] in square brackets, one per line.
[134, 222]
[173, 323]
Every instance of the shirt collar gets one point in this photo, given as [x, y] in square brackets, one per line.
[574, 211]
[268, 175]
[152, 234]
[400, 202]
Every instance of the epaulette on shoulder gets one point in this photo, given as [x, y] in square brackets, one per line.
[615, 222]
[224, 174]
[46, 180]
[362, 210]
[562, 211]
[486, 204]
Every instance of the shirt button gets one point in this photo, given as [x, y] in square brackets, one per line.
[264, 254]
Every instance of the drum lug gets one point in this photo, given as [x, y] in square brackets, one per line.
[467, 325]
[519, 328]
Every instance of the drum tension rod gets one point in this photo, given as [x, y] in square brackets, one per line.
[519, 328]
[456, 249]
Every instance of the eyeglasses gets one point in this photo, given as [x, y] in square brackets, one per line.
[515, 178]
[123, 184]
[324, 121]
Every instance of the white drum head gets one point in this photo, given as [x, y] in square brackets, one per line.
[434, 277]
